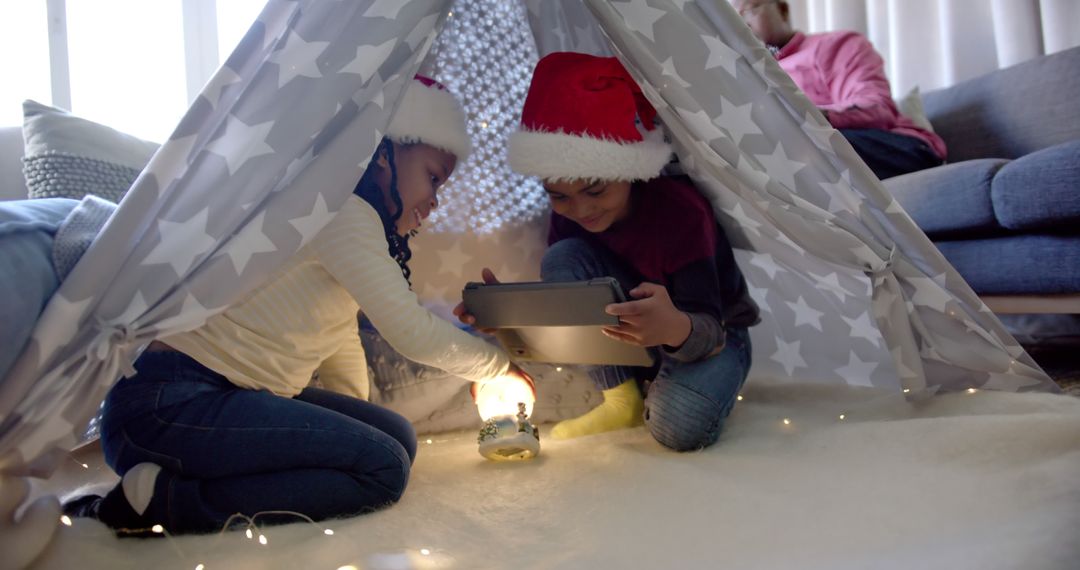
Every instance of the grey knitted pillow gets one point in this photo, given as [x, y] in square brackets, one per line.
[71, 157]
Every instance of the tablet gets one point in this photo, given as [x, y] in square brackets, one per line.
[554, 322]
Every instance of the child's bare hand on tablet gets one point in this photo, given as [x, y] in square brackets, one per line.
[649, 320]
[459, 311]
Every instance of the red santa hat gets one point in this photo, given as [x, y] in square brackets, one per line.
[585, 118]
[430, 114]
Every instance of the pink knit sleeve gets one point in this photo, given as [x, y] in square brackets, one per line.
[855, 75]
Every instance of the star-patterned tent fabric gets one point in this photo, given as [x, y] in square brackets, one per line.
[852, 290]
[242, 184]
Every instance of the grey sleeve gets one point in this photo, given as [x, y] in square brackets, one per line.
[706, 334]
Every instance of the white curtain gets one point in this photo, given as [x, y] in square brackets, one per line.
[937, 43]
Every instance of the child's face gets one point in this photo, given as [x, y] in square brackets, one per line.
[421, 170]
[593, 205]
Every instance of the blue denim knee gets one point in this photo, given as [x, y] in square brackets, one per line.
[681, 418]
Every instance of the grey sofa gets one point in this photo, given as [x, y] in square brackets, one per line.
[1005, 209]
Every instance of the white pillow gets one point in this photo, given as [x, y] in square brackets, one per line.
[911, 106]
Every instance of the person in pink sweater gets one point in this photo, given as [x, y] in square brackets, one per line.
[842, 74]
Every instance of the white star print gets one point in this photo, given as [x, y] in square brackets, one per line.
[191, 307]
[737, 120]
[819, 134]
[222, 79]
[134, 310]
[368, 59]
[902, 370]
[181, 242]
[59, 310]
[640, 16]
[765, 262]
[840, 199]
[1008, 381]
[832, 283]
[929, 293]
[248, 242]
[759, 295]
[297, 58]
[788, 355]
[804, 314]
[310, 225]
[780, 167]
[857, 372]
[702, 125]
[720, 54]
[784, 239]
[669, 70]
[453, 260]
[758, 178]
[744, 221]
[863, 327]
[421, 31]
[241, 142]
[172, 160]
[384, 9]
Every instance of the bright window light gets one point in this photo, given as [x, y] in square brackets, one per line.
[24, 41]
[234, 17]
[127, 64]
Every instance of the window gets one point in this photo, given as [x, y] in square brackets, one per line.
[24, 41]
[126, 64]
[234, 17]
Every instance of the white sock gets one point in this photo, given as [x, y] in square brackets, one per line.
[138, 484]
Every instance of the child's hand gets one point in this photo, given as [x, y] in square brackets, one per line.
[651, 320]
[459, 311]
[515, 381]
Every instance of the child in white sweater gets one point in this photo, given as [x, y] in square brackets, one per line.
[219, 420]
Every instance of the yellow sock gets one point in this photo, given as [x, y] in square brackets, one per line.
[622, 408]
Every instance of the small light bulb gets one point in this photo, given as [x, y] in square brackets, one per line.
[262, 539]
[157, 529]
[739, 397]
[483, 124]
[248, 533]
[84, 466]
[328, 532]
[65, 519]
[971, 390]
[429, 442]
[841, 416]
[787, 422]
[348, 567]
[906, 390]
[558, 369]
[199, 567]
[425, 551]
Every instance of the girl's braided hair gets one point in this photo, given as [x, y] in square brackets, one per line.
[368, 190]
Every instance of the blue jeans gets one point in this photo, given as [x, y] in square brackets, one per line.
[226, 450]
[687, 402]
[889, 154]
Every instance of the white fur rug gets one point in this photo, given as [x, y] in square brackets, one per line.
[982, 480]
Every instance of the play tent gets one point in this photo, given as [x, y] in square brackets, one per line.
[851, 290]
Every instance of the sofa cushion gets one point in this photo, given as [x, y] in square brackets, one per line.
[12, 183]
[952, 200]
[1042, 264]
[1010, 112]
[1040, 190]
[70, 157]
